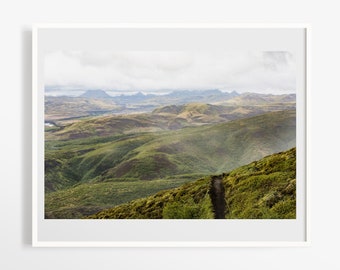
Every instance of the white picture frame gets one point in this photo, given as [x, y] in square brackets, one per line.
[160, 233]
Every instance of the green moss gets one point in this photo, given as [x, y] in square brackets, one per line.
[188, 209]
[261, 190]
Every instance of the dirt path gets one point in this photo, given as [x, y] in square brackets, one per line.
[217, 197]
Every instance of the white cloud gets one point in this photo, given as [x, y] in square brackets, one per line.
[163, 71]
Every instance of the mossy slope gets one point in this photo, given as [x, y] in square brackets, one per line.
[264, 189]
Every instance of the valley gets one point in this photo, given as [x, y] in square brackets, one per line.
[103, 152]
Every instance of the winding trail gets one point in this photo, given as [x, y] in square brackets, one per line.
[217, 197]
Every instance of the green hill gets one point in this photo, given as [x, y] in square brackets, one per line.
[264, 189]
[172, 117]
[207, 149]
[86, 175]
[210, 113]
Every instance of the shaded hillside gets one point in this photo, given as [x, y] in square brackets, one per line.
[104, 126]
[89, 198]
[264, 189]
[207, 149]
[83, 176]
[172, 117]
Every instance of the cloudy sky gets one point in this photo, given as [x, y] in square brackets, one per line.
[161, 72]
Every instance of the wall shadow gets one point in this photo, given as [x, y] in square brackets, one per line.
[26, 136]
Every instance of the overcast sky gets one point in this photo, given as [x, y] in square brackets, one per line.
[160, 72]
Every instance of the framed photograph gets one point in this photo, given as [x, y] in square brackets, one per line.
[170, 135]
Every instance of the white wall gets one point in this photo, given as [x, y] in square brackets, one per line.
[16, 18]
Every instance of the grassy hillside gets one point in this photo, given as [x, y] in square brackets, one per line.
[207, 149]
[210, 113]
[88, 198]
[264, 189]
[86, 174]
[172, 117]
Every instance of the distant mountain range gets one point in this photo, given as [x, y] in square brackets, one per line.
[95, 94]
[177, 97]
[98, 102]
